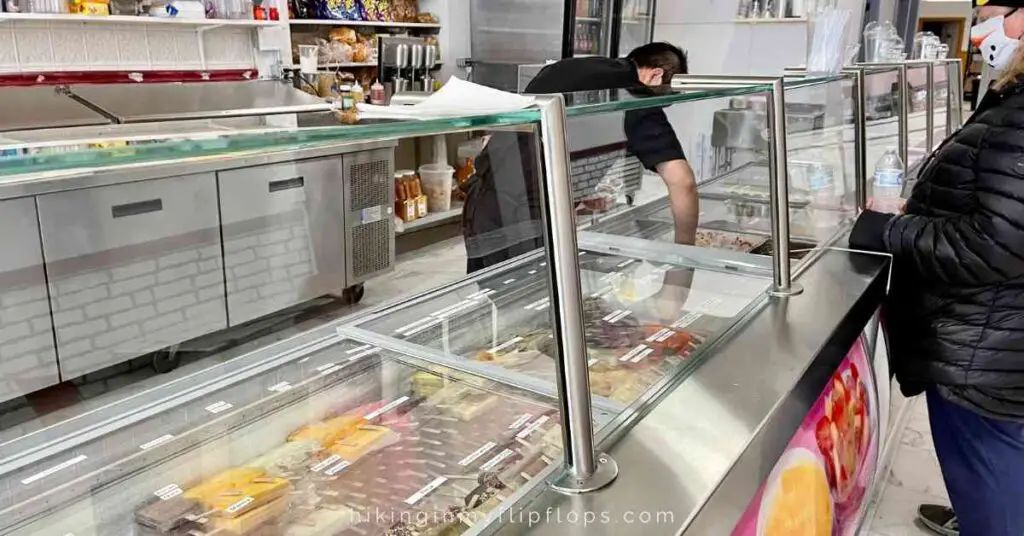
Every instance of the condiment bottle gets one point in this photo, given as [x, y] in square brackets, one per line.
[377, 95]
[346, 97]
[358, 96]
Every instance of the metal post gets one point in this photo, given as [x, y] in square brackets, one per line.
[860, 136]
[904, 117]
[588, 471]
[778, 189]
[929, 120]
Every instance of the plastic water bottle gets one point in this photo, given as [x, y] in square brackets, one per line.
[825, 202]
[888, 184]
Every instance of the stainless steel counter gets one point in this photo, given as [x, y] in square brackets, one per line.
[43, 107]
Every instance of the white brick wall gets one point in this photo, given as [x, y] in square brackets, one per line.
[109, 315]
[267, 270]
[27, 359]
[100, 46]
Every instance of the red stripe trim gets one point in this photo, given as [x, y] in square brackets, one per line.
[112, 77]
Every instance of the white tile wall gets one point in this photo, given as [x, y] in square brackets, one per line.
[98, 46]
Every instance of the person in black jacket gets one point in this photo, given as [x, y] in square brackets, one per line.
[955, 313]
[501, 218]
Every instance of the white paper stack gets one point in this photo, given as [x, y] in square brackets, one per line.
[456, 98]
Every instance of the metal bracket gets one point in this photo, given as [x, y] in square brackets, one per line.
[604, 474]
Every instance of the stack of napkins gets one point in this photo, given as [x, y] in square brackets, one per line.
[456, 98]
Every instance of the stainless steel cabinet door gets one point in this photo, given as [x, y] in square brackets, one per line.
[27, 358]
[283, 235]
[133, 268]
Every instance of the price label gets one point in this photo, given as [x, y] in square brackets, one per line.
[633, 353]
[522, 420]
[496, 461]
[686, 320]
[56, 468]
[506, 344]
[238, 506]
[642, 355]
[477, 454]
[508, 281]
[158, 441]
[390, 406]
[358, 349]
[169, 491]
[333, 459]
[218, 407]
[426, 490]
[329, 368]
[529, 430]
[279, 387]
[335, 469]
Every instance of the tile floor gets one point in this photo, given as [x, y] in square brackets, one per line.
[913, 478]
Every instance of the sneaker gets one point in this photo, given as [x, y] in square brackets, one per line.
[939, 519]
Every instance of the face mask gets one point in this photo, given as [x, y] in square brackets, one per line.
[996, 47]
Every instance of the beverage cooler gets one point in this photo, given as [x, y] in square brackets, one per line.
[514, 38]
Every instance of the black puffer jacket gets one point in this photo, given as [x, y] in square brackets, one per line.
[955, 313]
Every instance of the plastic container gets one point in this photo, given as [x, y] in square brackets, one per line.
[307, 59]
[437, 185]
[887, 187]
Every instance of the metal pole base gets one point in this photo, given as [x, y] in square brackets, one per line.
[604, 474]
[794, 290]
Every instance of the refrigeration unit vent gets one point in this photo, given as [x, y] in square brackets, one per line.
[370, 240]
[371, 184]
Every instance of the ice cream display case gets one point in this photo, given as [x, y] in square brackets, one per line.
[592, 375]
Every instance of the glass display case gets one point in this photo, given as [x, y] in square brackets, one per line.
[434, 414]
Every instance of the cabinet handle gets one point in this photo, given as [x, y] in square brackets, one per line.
[134, 209]
[286, 184]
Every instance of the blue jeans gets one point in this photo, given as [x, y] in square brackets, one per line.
[982, 462]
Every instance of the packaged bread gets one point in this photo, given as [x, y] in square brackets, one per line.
[344, 35]
[255, 518]
[238, 501]
[426, 384]
[165, 515]
[404, 10]
[227, 480]
[366, 439]
[328, 432]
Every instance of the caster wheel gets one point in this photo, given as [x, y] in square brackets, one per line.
[165, 361]
[630, 199]
[353, 295]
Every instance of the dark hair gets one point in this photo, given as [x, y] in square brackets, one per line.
[665, 56]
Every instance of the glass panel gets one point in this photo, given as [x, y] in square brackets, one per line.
[637, 25]
[304, 130]
[917, 120]
[821, 152]
[941, 97]
[881, 106]
[645, 320]
[346, 438]
[593, 28]
[956, 98]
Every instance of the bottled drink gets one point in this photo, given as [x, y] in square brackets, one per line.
[826, 213]
[888, 184]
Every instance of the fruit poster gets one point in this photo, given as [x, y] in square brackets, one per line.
[818, 486]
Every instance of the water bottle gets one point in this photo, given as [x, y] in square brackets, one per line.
[888, 183]
[825, 203]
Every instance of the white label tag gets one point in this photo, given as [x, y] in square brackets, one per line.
[219, 406]
[508, 281]
[477, 453]
[539, 305]
[640, 357]
[333, 368]
[279, 387]
[523, 419]
[529, 430]
[369, 351]
[391, 405]
[620, 316]
[625, 263]
[333, 459]
[686, 320]
[59, 467]
[495, 461]
[158, 441]
[608, 317]
[337, 468]
[246, 501]
[427, 490]
[370, 215]
[358, 349]
[633, 353]
[169, 491]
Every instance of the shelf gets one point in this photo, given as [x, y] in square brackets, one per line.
[433, 219]
[770, 21]
[349, 65]
[333, 22]
[125, 19]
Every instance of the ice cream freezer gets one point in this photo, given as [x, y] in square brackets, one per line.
[110, 265]
[432, 415]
